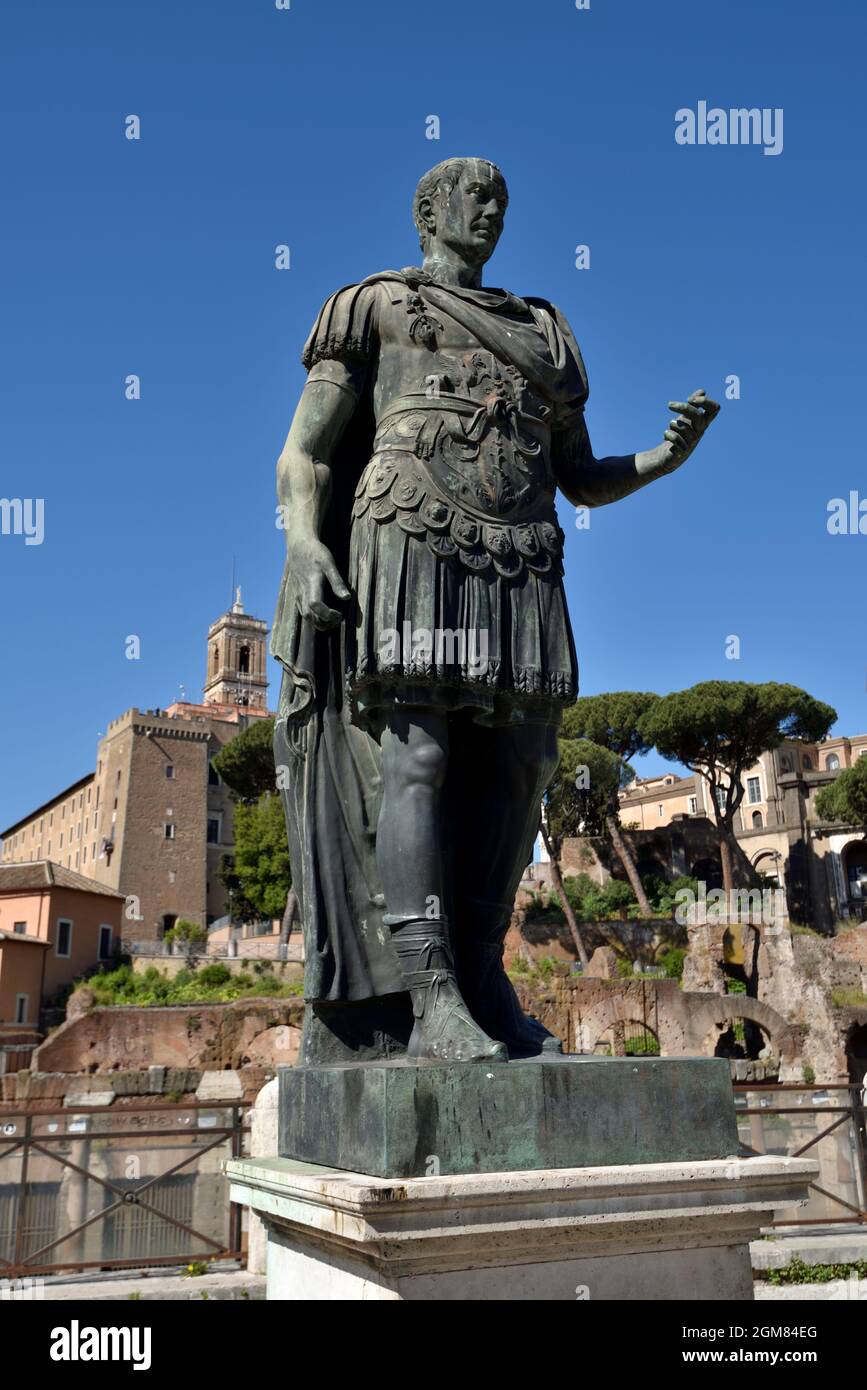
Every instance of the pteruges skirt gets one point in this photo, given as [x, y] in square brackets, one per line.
[456, 614]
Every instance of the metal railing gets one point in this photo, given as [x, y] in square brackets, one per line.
[115, 1187]
[826, 1123]
[244, 948]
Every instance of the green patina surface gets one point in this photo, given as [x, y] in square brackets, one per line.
[395, 1120]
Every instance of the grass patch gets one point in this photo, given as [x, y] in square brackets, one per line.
[214, 984]
[798, 1273]
[849, 998]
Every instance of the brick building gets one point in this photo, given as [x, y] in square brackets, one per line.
[153, 820]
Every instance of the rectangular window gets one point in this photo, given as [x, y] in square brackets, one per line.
[20, 928]
[22, 1002]
[61, 839]
[721, 798]
[105, 939]
[754, 789]
[169, 831]
[660, 809]
[64, 937]
[693, 805]
[213, 831]
[170, 772]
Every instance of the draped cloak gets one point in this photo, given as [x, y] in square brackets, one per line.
[328, 765]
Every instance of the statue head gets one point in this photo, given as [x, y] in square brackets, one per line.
[459, 207]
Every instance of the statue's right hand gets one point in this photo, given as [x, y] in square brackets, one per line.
[311, 567]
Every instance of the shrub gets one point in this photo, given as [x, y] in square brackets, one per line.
[214, 974]
[672, 962]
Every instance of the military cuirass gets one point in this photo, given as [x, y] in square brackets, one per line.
[461, 455]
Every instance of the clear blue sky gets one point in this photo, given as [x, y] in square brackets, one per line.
[307, 127]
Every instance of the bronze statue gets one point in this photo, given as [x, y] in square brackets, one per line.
[423, 630]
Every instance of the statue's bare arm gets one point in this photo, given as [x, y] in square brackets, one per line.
[593, 482]
[327, 404]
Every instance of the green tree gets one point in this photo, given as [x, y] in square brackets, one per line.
[613, 720]
[246, 765]
[575, 803]
[719, 729]
[846, 798]
[192, 937]
[261, 859]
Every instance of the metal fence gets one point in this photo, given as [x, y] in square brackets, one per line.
[117, 1187]
[245, 948]
[825, 1123]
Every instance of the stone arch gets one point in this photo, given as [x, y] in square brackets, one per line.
[617, 1010]
[853, 857]
[630, 1037]
[708, 870]
[856, 1054]
[732, 1008]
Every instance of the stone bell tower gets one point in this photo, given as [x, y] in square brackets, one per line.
[236, 673]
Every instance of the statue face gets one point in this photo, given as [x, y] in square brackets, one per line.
[469, 220]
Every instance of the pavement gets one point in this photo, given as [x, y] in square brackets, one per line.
[816, 1245]
[144, 1285]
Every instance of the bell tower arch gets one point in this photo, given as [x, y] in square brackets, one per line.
[236, 673]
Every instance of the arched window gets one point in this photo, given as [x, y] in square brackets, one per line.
[757, 820]
[244, 661]
[832, 762]
[808, 764]
[216, 657]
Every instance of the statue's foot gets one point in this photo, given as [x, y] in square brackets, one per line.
[445, 1030]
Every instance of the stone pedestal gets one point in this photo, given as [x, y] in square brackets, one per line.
[551, 1178]
[397, 1120]
[662, 1231]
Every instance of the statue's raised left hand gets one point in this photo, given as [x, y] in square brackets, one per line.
[685, 431]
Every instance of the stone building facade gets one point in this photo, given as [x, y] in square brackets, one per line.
[153, 821]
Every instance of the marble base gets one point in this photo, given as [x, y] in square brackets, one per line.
[659, 1231]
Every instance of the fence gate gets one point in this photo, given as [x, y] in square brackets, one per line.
[114, 1188]
[826, 1123]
